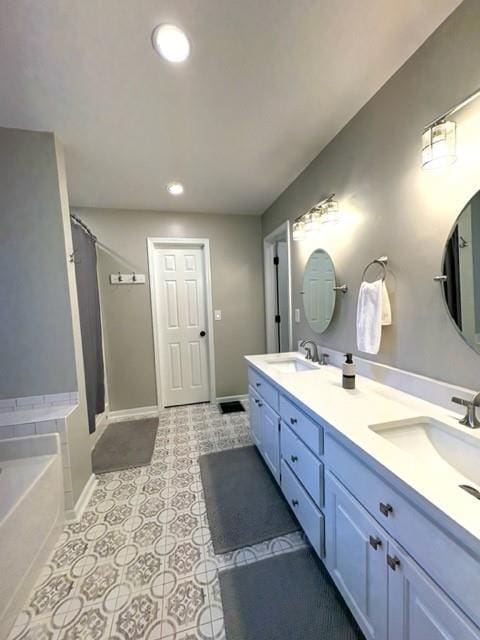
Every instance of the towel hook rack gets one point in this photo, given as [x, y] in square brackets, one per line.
[382, 261]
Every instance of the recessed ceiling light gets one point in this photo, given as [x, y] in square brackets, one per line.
[174, 188]
[171, 43]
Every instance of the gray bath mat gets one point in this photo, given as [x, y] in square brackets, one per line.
[124, 445]
[285, 597]
[244, 503]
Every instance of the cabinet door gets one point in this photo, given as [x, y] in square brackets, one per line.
[356, 558]
[255, 417]
[418, 609]
[271, 439]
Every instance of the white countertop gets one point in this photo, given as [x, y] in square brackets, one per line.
[351, 412]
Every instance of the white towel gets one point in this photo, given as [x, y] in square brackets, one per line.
[373, 311]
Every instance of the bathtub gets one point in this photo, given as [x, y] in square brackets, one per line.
[31, 516]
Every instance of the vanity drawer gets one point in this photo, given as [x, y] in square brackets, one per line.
[306, 429]
[449, 563]
[268, 392]
[308, 515]
[307, 468]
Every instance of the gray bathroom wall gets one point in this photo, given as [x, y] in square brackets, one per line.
[237, 289]
[36, 343]
[392, 207]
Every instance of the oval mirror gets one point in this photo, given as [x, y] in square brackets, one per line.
[318, 292]
[461, 270]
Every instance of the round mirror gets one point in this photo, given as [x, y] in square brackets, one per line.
[318, 290]
[461, 272]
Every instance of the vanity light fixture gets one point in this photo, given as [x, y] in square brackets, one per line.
[439, 138]
[298, 230]
[175, 188]
[326, 210]
[171, 43]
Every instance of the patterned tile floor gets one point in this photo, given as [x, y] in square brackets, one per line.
[140, 564]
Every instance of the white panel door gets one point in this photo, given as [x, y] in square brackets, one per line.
[319, 291]
[181, 313]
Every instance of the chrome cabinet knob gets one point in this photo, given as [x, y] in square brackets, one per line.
[294, 458]
[295, 503]
[293, 421]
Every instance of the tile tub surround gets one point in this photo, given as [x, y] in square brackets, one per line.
[35, 402]
[139, 563]
[349, 414]
[31, 516]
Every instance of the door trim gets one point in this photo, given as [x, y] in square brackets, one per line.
[202, 243]
[268, 245]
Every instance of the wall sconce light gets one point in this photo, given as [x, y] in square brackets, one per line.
[439, 138]
[325, 211]
[439, 145]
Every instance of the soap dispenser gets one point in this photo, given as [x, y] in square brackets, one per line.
[348, 378]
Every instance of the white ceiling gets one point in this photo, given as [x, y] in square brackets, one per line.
[268, 84]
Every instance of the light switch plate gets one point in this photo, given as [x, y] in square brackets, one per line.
[297, 315]
[218, 314]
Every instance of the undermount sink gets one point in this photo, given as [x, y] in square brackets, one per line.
[450, 454]
[291, 364]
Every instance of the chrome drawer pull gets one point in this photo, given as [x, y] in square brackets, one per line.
[393, 562]
[293, 421]
[375, 542]
[294, 458]
[295, 503]
[258, 384]
[386, 509]
[256, 400]
[260, 404]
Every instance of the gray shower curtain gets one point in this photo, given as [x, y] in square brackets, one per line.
[85, 255]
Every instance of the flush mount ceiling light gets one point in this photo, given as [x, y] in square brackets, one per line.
[174, 188]
[439, 138]
[325, 211]
[171, 43]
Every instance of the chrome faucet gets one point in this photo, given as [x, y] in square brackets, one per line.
[312, 353]
[470, 419]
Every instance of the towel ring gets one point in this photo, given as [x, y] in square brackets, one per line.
[382, 262]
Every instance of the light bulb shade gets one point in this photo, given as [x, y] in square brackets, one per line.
[331, 211]
[313, 220]
[439, 145]
[298, 230]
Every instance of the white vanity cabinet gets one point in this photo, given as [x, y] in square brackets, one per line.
[356, 548]
[402, 574]
[255, 411]
[265, 421]
[389, 594]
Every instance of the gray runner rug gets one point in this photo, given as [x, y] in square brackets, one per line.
[124, 445]
[287, 597]
[244, 503]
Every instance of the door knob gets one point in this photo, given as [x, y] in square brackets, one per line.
[202, 334]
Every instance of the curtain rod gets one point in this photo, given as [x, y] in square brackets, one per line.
[83, 225]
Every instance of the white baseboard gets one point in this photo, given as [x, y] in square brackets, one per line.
[77, 512]
[133, 414]
[232, 398]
